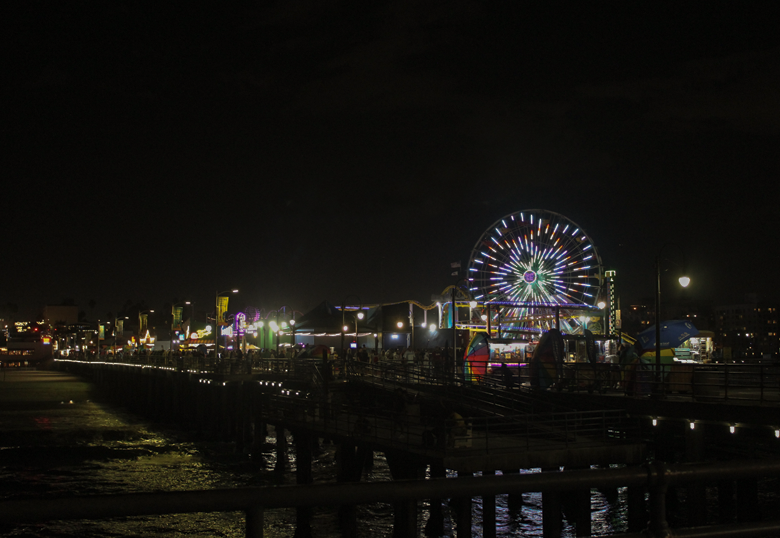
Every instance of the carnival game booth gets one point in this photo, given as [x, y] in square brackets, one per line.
[200, 334]
[674, 362]
[697, 349]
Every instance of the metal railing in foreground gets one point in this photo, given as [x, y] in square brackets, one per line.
[655, 477]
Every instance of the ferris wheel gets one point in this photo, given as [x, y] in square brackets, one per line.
[532, 260]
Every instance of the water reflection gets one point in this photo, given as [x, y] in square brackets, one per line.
[94, 449]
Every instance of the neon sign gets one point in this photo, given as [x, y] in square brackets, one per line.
[240, 323]
[201, 333]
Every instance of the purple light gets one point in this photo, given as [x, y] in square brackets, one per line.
[529, 276]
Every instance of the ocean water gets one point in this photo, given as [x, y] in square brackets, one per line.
[100, 450]
[74, 446]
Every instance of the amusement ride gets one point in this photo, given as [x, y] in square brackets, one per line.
[535, 270]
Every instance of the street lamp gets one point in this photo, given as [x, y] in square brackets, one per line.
[218, 322]
[343, 322]
[684, 281]
[273, 327]
[601, 306]
[454, 288]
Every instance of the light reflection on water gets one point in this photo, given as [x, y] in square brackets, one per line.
[105, 451]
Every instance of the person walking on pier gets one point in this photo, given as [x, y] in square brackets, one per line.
[509, 378]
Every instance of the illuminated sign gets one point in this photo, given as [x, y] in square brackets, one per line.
[226, 331]
[46, 340]
[240, 323]
[201, 333]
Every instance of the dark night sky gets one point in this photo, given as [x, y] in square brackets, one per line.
[303, 151]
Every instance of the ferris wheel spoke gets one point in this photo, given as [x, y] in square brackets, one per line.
[534, 257]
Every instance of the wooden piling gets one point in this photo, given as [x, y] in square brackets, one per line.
[552, 524]
[463, 513]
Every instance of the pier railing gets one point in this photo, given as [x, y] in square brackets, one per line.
[655, 478]
[736, 382]
[441, 436]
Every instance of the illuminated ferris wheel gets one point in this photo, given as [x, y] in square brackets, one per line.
[532, 262]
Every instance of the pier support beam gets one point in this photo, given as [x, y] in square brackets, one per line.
[637, 510]
[463, 513]
[349, 468]
[404, 467]
[582, 516]
[726, 504]
[747, 500]
[552, 525]
[514, 499]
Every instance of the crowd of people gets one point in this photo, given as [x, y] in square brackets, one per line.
[404, 361]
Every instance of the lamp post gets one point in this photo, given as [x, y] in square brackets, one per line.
[343, 322]
[604, 329]
[454, 320]
[684, 281]
[218, 322]
[273, 329]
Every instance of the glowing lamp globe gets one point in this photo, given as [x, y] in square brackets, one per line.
[684, 281]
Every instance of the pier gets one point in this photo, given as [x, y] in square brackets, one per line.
[426, 424]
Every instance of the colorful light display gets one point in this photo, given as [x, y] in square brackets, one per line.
[534, 258]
